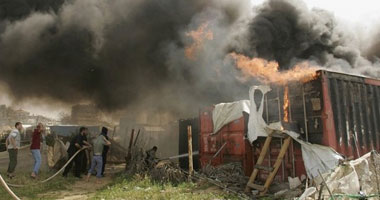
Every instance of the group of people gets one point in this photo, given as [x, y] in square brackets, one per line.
[100, 149]
[78, 143]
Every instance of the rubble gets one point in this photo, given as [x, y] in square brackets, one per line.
[294, 182]
[231, 175]
[167, 171]
[360, 177]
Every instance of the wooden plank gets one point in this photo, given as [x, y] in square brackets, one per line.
[279, 135]
[262, 167]
[256, 187]
[277, 164]
[259, 162]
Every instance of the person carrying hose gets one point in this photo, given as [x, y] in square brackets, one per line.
[97, 161]
[76, 144]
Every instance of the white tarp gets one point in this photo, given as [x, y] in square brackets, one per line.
[316, 157]
[225, 113]
[362, 174]
[256, 123]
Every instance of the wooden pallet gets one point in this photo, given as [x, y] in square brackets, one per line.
[273, 170]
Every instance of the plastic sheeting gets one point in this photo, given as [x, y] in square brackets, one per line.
[353, 177]
[316, 157]
[225, 113]
[256, 123]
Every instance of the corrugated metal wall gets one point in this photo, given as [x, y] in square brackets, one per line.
[336, 109]
[356, 108]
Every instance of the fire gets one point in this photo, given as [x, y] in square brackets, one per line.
[286, 104]
[267, 71]
[198, 36]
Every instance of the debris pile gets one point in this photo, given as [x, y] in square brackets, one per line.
[356, 178]
[231, 175]
[161, 171]
[135, 163]
[167, 172]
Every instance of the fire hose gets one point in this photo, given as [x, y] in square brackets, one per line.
[4, 184]
[54, 175]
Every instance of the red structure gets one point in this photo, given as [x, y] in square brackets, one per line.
[236, 149]
[337, 110]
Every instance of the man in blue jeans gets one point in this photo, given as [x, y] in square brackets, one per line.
[97, 159]
[35, 149]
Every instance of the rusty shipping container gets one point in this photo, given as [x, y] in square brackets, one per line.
[335, 109]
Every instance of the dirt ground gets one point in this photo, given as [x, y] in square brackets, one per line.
[80, 189]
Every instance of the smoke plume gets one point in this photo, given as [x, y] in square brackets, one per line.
[121, 53]
[287, 31]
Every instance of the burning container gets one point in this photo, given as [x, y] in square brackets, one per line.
[334, 109]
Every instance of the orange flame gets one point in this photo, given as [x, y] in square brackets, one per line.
[198, 36]
[267, 71]
[286, 104]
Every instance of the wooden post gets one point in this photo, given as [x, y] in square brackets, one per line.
[129, 155]
[217, 153]
[190, 148]
[137, 137]
[328, 189]
[114, 130]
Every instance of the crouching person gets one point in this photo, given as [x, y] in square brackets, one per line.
[97, 160]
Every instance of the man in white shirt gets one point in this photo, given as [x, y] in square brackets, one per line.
[13, 144]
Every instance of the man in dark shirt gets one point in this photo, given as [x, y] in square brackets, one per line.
[77, 143]
[35, 149]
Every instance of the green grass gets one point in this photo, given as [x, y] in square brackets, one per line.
[31, 191]
[143, 188]
[122, 187]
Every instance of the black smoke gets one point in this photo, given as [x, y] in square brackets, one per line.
[18, 9]
[124, 52]
[287, 31]
[110, 52]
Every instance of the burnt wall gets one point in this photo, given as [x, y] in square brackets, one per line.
[356, 108]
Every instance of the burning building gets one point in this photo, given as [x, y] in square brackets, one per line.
[333, 109]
